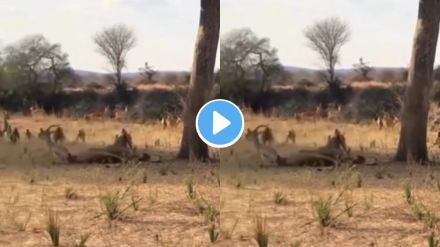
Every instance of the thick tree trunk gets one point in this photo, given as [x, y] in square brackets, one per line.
[412, 142]
[202, 77]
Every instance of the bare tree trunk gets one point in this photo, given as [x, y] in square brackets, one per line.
[412, 142]
[202, 77]
[118, 76]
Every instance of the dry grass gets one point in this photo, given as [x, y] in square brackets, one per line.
[159, 213]
[378, 212]
[168, 213]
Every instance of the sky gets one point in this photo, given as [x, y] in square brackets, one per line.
[165, 29]
[382, 30]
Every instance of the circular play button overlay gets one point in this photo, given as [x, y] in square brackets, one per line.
[219, 123]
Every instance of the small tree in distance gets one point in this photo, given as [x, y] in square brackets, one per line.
[148, 73]
[114, 43]
[326, 37]
[363, 69]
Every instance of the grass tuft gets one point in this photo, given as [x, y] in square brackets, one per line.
[432, 241]
[112, 204]
[190, 192]
[279, 198]
[261, 235]
[359, 181]
[70, 193]
[227, 233]
[213, 233]
[407, 191]
[322, 209]
[82, 240]
[53, 228]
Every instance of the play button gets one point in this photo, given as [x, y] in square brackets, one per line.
[219, 123]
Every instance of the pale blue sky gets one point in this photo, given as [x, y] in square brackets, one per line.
[382, 30]
[166, 29]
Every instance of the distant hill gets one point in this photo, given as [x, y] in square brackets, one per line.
[85, 77]
[295, 75]
[347, 75]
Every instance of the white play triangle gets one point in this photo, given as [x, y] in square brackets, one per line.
[219, 123]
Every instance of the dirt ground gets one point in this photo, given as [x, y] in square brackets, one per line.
[380, 215]
[238, 187]
[30, 186]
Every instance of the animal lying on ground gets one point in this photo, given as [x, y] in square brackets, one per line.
[267, 153]
[331, 154]
[335, 148]
[271, 156]
[123, 147]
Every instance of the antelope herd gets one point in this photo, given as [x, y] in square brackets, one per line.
[383, 120]
[118, 113]
[332, 113]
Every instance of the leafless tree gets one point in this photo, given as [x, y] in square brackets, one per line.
[412, 142]
[58, 66]
[114, 43]
[202, 78]
[326, 37]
